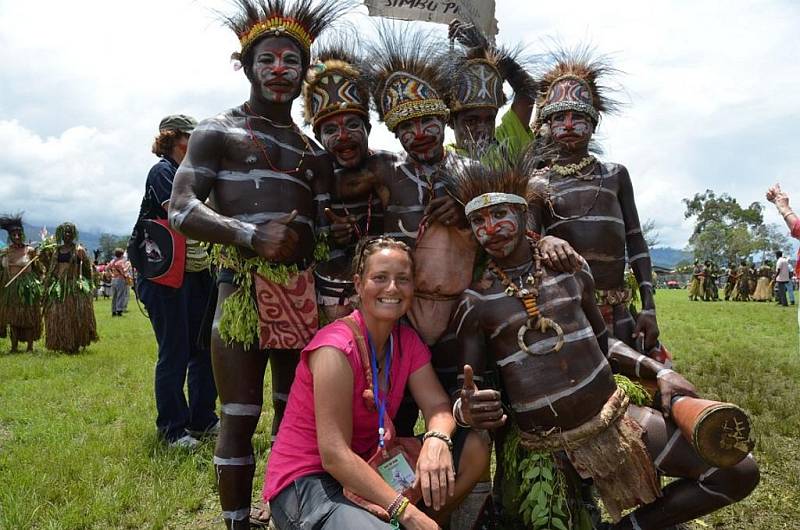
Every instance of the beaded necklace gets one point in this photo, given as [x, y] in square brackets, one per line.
[263, 149]
[549, 199]
[528, 296]
[574, 169]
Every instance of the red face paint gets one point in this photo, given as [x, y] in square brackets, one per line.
[496, 228]
[345, 137]
[278, 69]
[422, 138]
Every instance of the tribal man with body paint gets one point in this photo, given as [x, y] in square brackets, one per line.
[336, 105]
[591, 204]
[548, 340]
[255, 185]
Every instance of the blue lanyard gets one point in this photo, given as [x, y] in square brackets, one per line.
[380, 402]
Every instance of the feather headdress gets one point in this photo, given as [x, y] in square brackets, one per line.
[478, 69]
[574, 81]
[301, 21]
[335, 82]
[408, 75]
[9, 222]
[478, 185]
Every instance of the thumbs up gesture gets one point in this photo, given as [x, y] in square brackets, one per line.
[342, 227]
[481, 409]
[276, 240]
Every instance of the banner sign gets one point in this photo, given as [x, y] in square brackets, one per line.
[481, 12]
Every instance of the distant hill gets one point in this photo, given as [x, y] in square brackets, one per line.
[668, 257]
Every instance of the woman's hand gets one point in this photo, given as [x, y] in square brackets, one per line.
[777, 196]
[414, 519]
[435, 473]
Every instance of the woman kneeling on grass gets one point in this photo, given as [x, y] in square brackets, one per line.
[331, 425]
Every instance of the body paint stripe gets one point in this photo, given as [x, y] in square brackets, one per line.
[636, 257]
[236, 515]
[248, 460]
[257, 175]
[263, 217]
[241, 409]
[587, 219]
[545, 344]
[548, 400]
[667, 448]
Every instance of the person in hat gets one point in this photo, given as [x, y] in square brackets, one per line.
[267, 186]
[176, 314]
[555, 363]
[69, 308]
[589, 203]
[20, 286]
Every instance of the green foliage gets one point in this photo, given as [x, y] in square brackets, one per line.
[239, 321]
[635, 391]
[108, 242]
[723, 231]
[78, 448]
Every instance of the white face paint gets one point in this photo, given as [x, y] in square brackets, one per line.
[422, 138]
[496, 228]
[278, 69]
[345, 136]
[571, 130]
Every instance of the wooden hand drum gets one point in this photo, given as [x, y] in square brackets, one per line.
[719, 432]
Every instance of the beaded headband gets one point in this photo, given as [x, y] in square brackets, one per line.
[490, 199]
[280, 26]
[569, 92]
[406, 96]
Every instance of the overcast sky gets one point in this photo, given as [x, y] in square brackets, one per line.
[711, 90]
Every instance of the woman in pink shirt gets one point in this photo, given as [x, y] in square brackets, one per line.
[330, 429]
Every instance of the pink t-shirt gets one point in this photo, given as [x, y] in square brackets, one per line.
[295, 452]
[796, 235]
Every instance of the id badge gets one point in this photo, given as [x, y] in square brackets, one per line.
[397, 472]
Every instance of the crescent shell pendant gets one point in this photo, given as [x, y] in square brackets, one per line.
[542, 324]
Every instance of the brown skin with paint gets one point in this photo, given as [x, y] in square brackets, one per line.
[246, 162]
[563, 384]
[602, 242]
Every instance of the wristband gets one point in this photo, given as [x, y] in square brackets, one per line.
[394, 507]
[441, 436]
[664, 371]
[400, 509]
[457, 415]
[787, 214]
[244, 236]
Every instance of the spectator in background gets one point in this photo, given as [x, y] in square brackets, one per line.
[120, 282]
[177, 313]
[778, 197]
[782, 277]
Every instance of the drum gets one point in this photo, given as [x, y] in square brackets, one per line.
[719, 432]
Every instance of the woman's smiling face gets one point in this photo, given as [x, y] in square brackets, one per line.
[386, 284]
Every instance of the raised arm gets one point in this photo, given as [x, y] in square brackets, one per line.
[333, 376]
[639, 260]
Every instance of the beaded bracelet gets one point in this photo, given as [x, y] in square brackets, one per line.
[441, 436]
[787, 214]
[393, 507]
[400, 509]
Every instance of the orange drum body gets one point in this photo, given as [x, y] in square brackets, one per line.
[719, 432]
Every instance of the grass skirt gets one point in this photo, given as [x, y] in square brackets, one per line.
[20, 309]
[70, 323]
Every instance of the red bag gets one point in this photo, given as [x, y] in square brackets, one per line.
[158, 252]
[396, 462]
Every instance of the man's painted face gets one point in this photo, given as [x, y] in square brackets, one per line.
[474, 128]
[278, 69]
[571, 130]
[69, 234]
[422, 138]
[345, 136]
[497, 228]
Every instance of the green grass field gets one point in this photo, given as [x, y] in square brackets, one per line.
[78, 447]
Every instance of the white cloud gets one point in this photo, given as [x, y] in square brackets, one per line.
[711, 90]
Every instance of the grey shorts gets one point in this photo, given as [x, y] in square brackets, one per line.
[315, 502]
